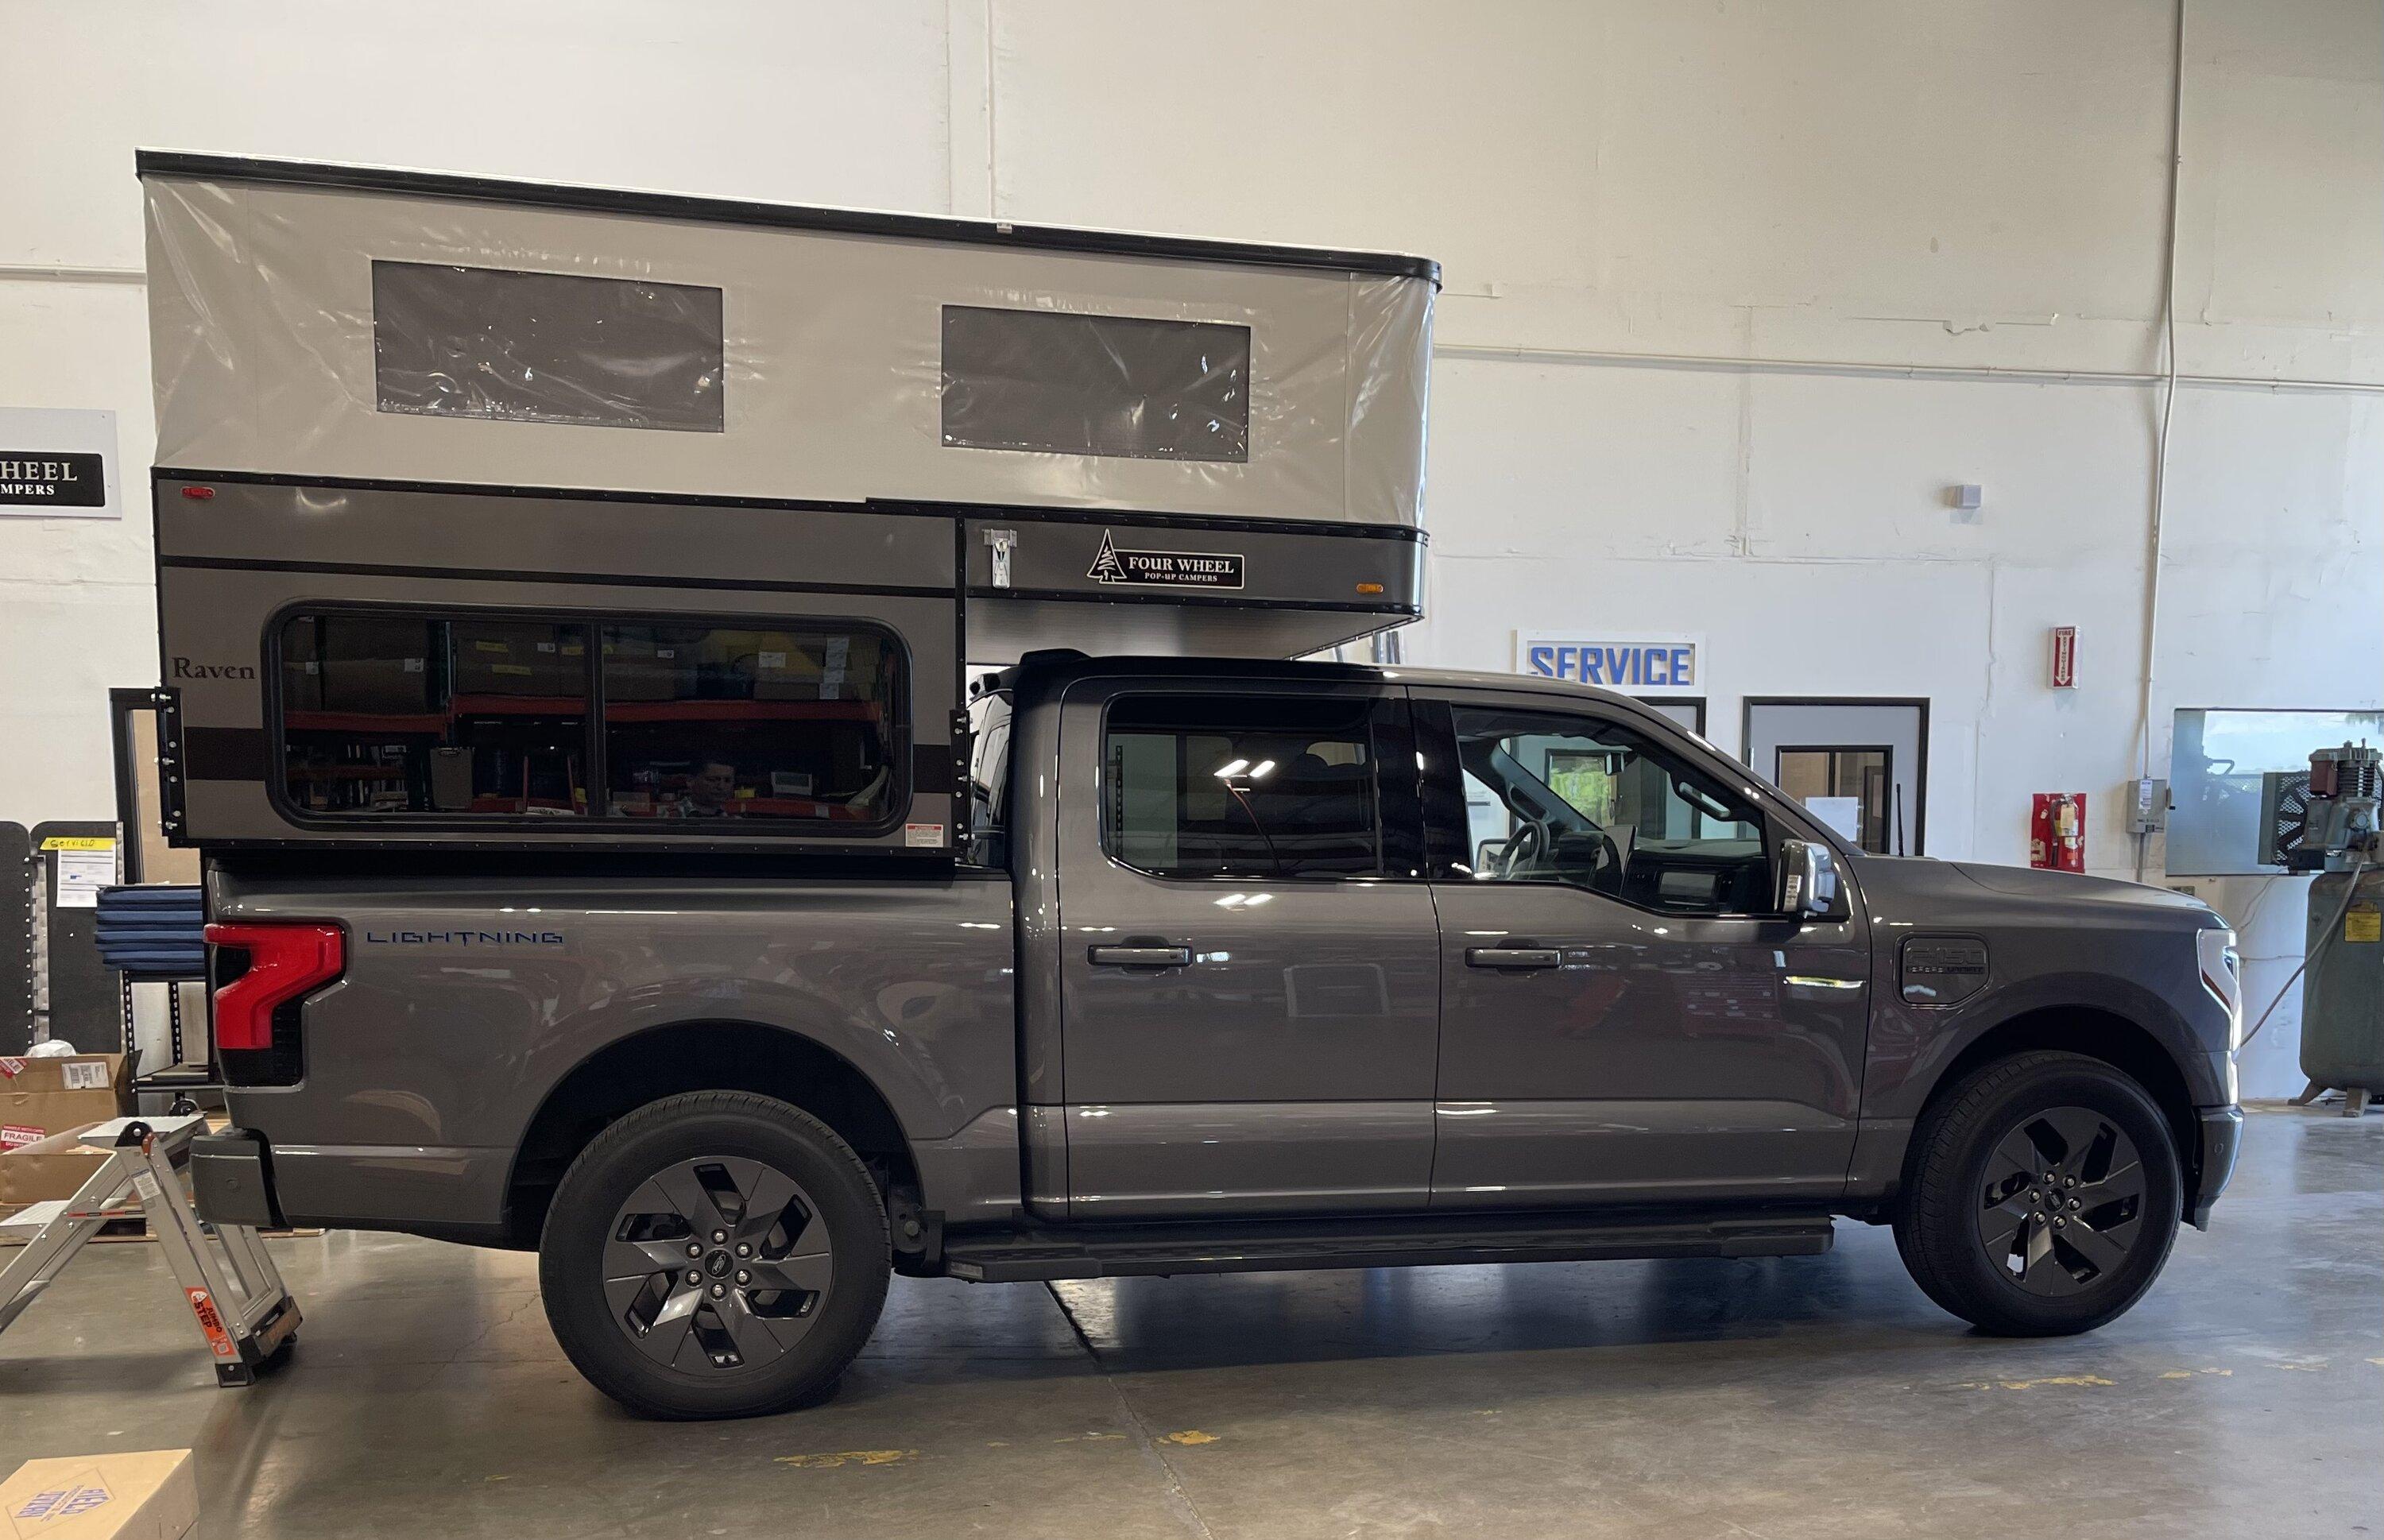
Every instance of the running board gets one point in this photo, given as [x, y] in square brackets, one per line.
[1276, 1246]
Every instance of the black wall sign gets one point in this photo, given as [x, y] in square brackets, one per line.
[1176, 569]
[52, 479]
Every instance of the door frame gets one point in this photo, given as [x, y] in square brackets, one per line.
[1696, 703]
[1920, 771]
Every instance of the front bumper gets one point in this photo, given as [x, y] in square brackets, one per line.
[231, 1180]
[2221, 1136]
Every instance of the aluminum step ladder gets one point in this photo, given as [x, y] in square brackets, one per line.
[234, 1291]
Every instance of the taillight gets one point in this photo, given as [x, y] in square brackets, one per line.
[285, 962]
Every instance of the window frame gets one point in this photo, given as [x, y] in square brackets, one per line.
[1391, 727]
[1447, 829]
[597, 823]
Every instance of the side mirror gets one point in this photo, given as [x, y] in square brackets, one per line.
[1808, 881]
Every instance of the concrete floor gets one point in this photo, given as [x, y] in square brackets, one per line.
[1817, 1397]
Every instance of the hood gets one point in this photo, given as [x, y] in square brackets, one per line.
[2073, 887]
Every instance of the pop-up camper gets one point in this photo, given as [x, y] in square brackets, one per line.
[516, 513]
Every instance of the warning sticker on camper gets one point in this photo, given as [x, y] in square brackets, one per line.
[1164, 569]
[2365, 922]
[923, 834]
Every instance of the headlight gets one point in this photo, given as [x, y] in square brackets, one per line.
[2222, 974]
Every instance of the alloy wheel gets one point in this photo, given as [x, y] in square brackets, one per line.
[717, 1263]
[2063, 1204]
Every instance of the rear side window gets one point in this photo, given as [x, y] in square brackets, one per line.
[1208, 786]
[707, 721]
[396, 714]
[388, 716]
[546, 347]
[1120, 386]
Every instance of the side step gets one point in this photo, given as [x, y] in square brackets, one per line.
[1276, 1246]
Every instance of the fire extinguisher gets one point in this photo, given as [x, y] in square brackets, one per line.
[2058, 831]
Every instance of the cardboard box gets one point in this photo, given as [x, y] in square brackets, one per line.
[515, 658]
[151, 1494]
[637, 669]
[375, 666]
[41, 1097]
[818, 669]
[56, 1166]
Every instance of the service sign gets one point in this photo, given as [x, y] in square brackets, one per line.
[57, 464]
[1635, 665]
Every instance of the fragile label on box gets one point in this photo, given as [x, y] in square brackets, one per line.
[15, 1134]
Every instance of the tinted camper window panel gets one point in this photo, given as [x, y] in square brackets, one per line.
[400, 715]
[1107, 385]
[546, 347]
[740, 721]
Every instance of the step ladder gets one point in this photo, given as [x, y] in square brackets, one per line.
[233, 1289]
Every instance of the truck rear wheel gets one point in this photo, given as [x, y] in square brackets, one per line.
[2042, 1195]
[714, 1254]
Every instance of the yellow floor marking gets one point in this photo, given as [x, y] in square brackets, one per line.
[2378, 1362]
[848, 1457]
[2178, 1374]
[2031, 1384]
[2304, 1368]
[1189, 1435]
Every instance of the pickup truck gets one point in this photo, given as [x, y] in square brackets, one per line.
[1244, 966]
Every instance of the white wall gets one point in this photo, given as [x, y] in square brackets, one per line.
[1735, 292]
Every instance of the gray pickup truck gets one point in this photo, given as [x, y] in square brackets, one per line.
[1247, 965]
[573, 606]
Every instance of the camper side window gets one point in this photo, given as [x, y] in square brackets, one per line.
[453, 341]
[735, 721]
[1120, 386]
[385, 713]
[390, 715]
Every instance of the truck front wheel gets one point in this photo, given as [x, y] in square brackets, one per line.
[2040, 1196]
[714, 1254]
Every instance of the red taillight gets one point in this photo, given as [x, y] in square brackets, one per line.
[284, 962]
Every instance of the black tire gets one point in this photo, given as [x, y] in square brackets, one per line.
[804, 1338]
[2082, 1249]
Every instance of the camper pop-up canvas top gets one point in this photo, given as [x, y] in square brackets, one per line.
[514, 514]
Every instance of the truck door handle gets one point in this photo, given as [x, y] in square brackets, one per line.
[1513, 957]
[1140, 954]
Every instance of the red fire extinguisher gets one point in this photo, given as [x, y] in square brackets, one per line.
[2056, 831]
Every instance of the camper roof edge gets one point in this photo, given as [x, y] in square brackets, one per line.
[732, 211]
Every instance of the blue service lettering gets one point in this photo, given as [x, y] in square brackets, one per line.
[1624, 668]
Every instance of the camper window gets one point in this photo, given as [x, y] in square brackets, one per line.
[386, 715]
[740, 721]
[1120, 386]
[546, 347]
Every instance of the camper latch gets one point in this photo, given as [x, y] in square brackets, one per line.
[1002, 541]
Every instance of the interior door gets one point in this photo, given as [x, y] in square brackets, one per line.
[1621, 1022]
[1250, 971]
[1862, 764]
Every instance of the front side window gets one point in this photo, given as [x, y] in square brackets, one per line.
[452, 342]
[393, 715]
[705, 721]
[1199, 786]
[1553, 797]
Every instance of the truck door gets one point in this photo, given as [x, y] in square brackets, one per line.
[1622, 1020]
[1249, 969]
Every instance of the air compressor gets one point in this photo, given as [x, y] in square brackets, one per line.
[2326, 822]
